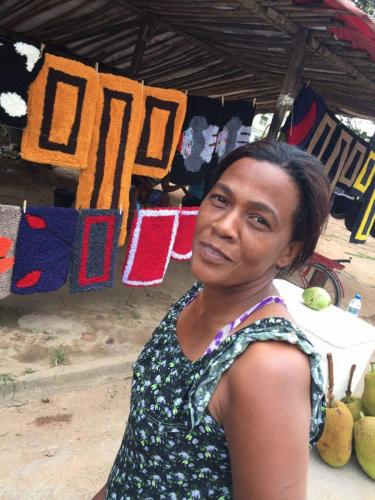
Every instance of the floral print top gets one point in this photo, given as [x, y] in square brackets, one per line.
[172, 447]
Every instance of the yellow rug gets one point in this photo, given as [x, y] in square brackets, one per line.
[365, 220]
[366, 175]
[119, 115]
[164, 116]
[61, 113]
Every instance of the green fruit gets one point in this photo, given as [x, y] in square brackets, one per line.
[368, 396]
[364, 440]
[316, 298]
[335, 444]
[355, 406]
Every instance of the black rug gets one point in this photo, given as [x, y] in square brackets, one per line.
[20, 63]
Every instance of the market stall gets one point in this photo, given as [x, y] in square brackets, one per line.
[104, 77]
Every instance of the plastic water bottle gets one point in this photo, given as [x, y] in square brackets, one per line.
[355, 305]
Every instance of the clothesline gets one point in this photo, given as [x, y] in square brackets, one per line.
[44, 47]
[42, 247]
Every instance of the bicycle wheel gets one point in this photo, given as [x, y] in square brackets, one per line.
[332, 283]
[316, 274]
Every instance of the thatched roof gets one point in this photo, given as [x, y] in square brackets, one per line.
[236, 48]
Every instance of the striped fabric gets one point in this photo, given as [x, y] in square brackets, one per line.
[105, 184]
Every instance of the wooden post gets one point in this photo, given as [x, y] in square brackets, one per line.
[143, 35]
[291, 80]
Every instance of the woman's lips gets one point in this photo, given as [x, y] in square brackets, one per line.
[213, 254]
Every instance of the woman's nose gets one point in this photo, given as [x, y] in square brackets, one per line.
[227, 225]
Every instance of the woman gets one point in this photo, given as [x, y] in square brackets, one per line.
[228, 412]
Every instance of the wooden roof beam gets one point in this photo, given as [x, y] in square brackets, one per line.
[45, 29]
[222, 55]
[144, 34]
[314, 43]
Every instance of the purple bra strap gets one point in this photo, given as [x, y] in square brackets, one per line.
[227, 329]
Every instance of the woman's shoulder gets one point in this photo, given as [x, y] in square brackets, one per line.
[274, 347]
[277, 327]
[267, 371]
[276, 360]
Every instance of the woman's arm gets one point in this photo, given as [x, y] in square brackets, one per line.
[100, 495]
[266, 415]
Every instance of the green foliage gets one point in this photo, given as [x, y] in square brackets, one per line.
[350, 123]
[367, 6]
[28, 371]
[59, 356]
[7, 378]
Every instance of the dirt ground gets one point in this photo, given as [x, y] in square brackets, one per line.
[37, 329]
[359, 274]
[62, 448]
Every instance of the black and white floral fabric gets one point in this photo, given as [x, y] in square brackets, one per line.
[172, 447]
[19, 65]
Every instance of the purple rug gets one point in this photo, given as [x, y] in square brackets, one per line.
[43, 249]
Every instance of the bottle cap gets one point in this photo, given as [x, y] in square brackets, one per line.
[357, 296]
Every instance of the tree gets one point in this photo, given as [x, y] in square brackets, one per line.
[367, 6]
[352, 125]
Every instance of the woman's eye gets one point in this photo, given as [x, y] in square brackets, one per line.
[259, 220]
[218, 199]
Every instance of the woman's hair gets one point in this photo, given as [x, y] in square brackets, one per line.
[307, 172]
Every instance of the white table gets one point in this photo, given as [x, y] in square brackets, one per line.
[349, 339]
[346, 483]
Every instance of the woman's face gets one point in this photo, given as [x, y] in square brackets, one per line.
[245, 225]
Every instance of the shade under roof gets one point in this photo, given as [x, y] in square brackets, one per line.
[236, 48]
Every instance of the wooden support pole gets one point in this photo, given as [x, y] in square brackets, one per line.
[143, 35]
[291, 81]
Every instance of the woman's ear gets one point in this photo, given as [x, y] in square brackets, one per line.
[289, 254]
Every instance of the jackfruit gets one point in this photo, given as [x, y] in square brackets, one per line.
[364, 441]
[355, 407]
[316, 298]
[354, 403]
[335, 444]
[368, 396]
